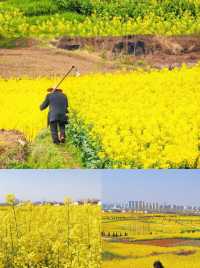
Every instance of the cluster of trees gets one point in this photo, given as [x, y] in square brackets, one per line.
[113, 234]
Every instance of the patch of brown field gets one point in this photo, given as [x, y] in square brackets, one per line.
[100, 54]
[13, 148]
[155, 51]
[178, 253]
[169, 242]
[38, 62]
[165, 242]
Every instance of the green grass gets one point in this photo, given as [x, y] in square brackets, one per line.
[109, 256]
[12, 42]
[43, 154]
[38, 8]
[68, 16]
[40, 11]
[31, 8]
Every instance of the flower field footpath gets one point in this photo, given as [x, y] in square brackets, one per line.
[134, 120]
[50, 236]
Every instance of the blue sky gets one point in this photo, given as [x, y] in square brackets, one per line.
[173, 186]
[50, 184]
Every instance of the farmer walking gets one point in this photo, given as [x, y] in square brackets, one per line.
[57, 102]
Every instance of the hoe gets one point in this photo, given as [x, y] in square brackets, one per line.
[73, 68]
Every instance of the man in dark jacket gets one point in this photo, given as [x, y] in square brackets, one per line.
[57, 102]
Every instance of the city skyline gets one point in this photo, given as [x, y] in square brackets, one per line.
[119, 202]
[142, 205]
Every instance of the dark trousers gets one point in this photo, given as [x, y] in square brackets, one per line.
[54, 126]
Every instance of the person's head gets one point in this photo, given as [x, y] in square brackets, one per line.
[51, 90]
[158, 264]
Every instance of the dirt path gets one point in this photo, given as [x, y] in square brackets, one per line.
[34, 62]
[71, 160]
[44, 154]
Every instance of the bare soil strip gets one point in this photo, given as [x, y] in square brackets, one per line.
[170, 242]
[165, 242]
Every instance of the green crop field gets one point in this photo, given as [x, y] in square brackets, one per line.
[48, 19]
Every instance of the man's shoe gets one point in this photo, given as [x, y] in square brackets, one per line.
[56, 142]
[62, 140]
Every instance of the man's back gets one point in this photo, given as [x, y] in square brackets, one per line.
[58, 104]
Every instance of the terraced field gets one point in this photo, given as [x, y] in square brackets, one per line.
[138, 240]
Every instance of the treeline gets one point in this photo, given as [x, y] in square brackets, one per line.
[112, 8]
[113, 234]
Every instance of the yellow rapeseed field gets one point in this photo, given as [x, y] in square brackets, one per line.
[143, 256]
[44, 236]
[140, 226]
[178, 243]
[143, 119]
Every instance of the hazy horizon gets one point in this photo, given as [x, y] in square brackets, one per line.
[50, 185]
[170, 186]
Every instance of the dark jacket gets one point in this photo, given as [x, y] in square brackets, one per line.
[58, 107]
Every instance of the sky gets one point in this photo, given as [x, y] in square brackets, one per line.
[172, 186]
[50, 185]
